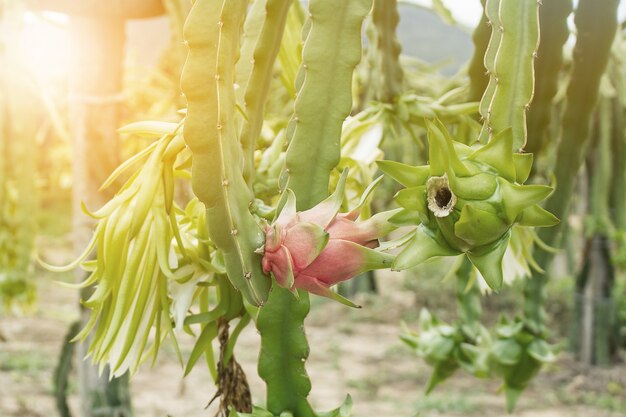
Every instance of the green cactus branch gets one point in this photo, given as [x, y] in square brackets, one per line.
[384, 51]
[509, 60]
[467, 297]
[284, 350]
[618, 144]
[618, 150]
[601, 169]
[554, 32]
[596, 24]
[332, 48]
[290, 54]
[212, 32]
[265, 53]
[476, 70]
[251, 32]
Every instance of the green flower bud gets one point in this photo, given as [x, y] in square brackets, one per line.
[438, 344]
[466, 201]
[516, 356]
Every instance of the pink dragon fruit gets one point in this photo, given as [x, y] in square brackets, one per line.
[317, 248]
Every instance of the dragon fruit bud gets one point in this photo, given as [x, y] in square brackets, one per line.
[466, 201]
[320, 247]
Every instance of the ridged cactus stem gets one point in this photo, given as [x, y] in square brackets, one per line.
[534, 297]
[600, 168]
[251, 32]
[331, 50]
[618, 189]
[385, 51]
[212, 32]
[284, 351]
[596, 25]
[265, 54]
[618, 142]
[509, 61]
[477, 72]
[554, 32]
[290, 54]
[467, 296]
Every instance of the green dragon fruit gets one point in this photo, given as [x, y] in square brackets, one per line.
[466, 201]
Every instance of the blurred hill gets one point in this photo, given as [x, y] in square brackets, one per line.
[423, 34]
[426, 36]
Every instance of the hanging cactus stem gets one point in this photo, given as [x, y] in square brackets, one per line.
[598, 23]
[509, 61]
[324, 95]
[212, 32]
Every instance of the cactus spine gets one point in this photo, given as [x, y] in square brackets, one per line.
[212, 32]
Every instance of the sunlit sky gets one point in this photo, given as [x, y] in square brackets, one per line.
[45, 44]
[47, 50]
[468, 11]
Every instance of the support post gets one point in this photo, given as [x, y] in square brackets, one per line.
[95, 96]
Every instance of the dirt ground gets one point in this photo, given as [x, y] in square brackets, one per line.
[353, 352]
